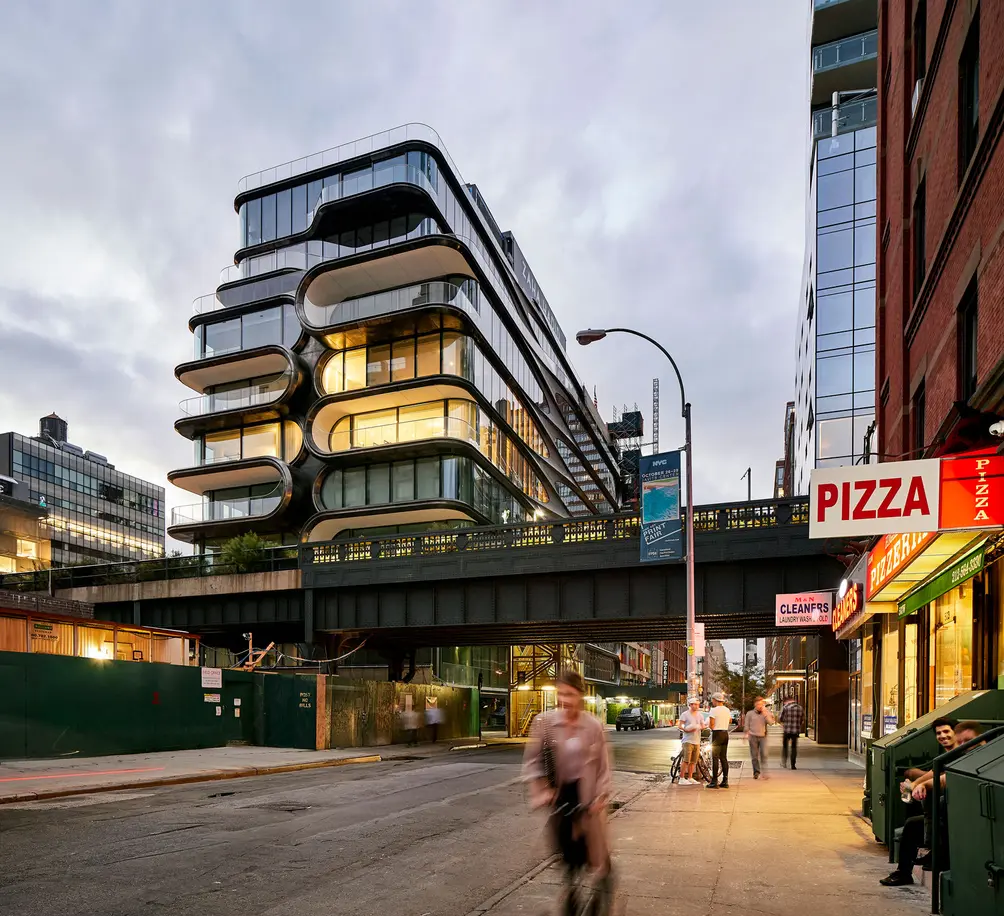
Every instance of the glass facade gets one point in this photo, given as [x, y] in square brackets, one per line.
[835, 379]
[435, 477]
[260, 440]
[96, 513]
[276, 325]
[421, 356]
[453, 418]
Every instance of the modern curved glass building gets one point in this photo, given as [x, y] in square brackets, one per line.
[380, 359]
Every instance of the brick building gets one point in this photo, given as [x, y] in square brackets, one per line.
[939, 361]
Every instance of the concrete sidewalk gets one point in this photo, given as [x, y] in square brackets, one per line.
[27, 780]
[787, 846]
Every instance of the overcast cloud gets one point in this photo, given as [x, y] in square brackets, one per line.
[648, 156]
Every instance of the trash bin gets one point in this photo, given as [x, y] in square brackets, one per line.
[914, 745]
[974, 792]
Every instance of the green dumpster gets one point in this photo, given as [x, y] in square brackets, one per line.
[974, 788]
[914, 745]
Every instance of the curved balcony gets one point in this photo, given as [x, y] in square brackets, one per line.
[223, 472]
[341, 438]
[229, 510]
[321, 318]
[328, 525]
[232, 365]
[247, 404]
[302, 256]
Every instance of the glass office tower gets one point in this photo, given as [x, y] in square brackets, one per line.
[380, 359]
[835, 374]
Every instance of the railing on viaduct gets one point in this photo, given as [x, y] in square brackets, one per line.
[718, 519]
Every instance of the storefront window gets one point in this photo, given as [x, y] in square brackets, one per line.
[890, 675]
[952, 661]
[910, 697]
[854, 692]
[868, 686]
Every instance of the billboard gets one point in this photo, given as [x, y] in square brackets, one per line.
[803, 609]
[661, 535]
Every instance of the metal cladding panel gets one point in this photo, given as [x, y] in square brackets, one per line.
[480, 606]
[421, 607]
[450, 601]
[613, 595]
[577, 598]
[650, 595]
[510, 600]
[762, 583]
[543, 595]
[368, 609]
[393, 605]
[723, 590]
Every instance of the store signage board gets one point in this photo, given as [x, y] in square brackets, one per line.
[865, 500]
[812, 609]
[964, 492]
[891, 555]
[661, 534]
[848, 608]
[961, 571]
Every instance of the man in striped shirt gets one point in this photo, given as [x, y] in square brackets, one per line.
[792, 721]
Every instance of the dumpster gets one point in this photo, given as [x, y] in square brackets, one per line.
[914, 745]
[974, 791]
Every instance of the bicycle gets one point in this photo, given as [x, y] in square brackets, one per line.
[703, 767]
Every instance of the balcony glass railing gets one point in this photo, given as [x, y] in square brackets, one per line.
[227, 510]
[252, 396]
[341, 440]
[845, 51]
[823, 4]
[850, 116]
[396, 300]
[309, 254]
[373, 178]
[207, 303]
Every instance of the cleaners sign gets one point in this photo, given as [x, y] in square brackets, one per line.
[805, 609]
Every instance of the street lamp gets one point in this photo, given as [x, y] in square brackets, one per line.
[591, 335]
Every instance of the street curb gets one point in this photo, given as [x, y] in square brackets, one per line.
[208, 776]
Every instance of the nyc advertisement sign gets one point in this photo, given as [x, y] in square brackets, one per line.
[908, 497]
[805, 609]
[661, 535]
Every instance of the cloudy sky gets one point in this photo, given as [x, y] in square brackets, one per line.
[648, 156]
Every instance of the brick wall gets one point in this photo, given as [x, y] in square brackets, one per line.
[963, 231]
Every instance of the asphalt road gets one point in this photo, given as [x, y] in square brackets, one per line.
[437, 835]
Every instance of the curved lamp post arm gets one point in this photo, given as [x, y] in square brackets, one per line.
[665, 352]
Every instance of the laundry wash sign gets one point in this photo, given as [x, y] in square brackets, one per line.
[805, 609]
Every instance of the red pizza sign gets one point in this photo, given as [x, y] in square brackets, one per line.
[908, 497]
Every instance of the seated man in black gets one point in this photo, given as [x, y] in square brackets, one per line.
[916, 828]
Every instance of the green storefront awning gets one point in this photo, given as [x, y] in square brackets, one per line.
[960, 571]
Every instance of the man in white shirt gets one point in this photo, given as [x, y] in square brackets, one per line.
[720, 718]
[691, 725]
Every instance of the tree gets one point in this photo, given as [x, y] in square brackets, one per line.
[243, 553]
[741, 683]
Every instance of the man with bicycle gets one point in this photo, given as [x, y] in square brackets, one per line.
[691, 725]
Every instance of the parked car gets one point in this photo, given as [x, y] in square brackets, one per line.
[634, 718]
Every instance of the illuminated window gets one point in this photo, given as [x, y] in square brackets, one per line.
[27, 548]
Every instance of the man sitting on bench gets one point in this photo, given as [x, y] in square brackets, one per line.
[917, 827]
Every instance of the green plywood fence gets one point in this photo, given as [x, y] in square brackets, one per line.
[53, 706]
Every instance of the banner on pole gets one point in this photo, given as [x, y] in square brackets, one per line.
[699, 639]
[661, 535]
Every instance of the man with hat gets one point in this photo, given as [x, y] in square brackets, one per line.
[691, 725]
[720, 718]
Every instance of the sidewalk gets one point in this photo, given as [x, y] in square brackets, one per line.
[783, 847]
[27, 780]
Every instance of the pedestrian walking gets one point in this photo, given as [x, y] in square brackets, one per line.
[433, 719]
[691, 725]
[757, 720]
[567, 766]
[792, 722]
[720, 717]
[410, 721]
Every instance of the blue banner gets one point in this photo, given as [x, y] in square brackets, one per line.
[661, 535]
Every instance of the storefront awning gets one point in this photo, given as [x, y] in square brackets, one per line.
[901, 562]
[961, 570]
